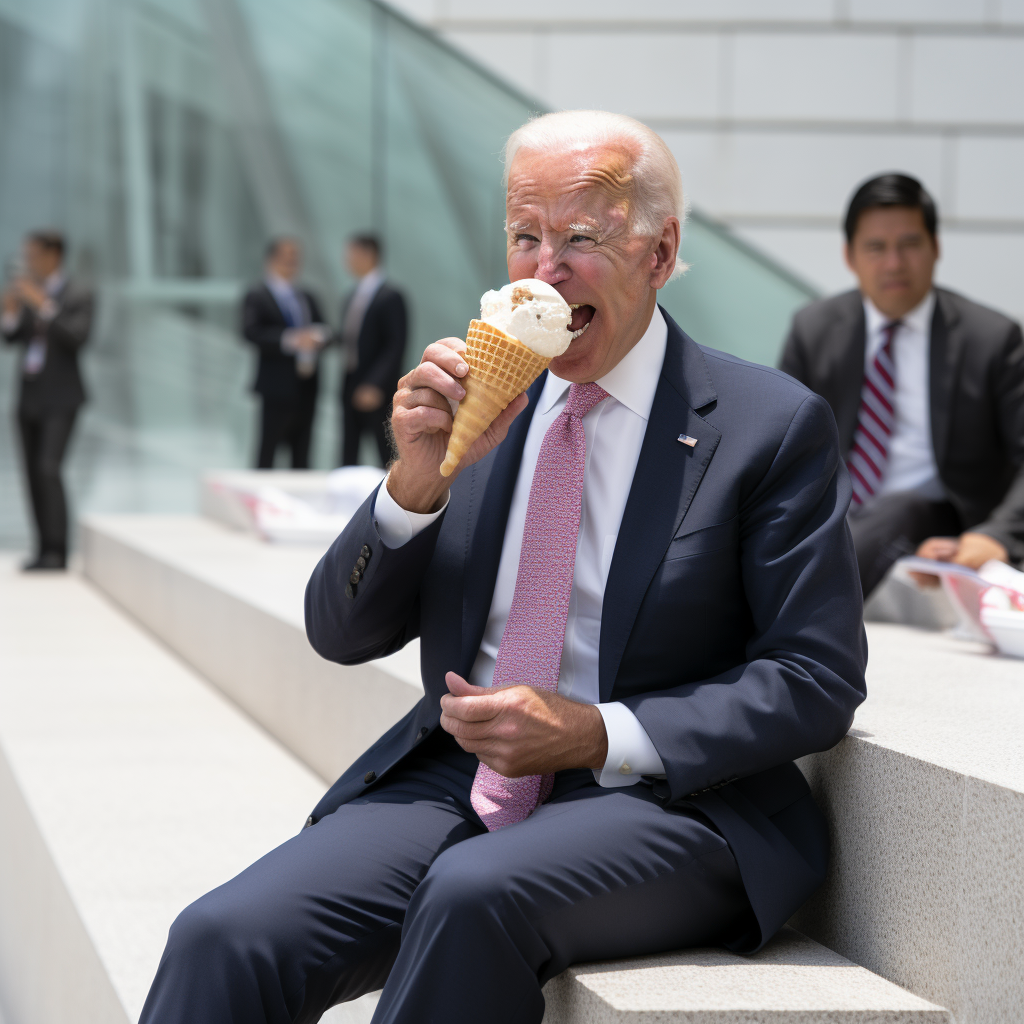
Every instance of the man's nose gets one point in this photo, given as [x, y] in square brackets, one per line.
[551, 268]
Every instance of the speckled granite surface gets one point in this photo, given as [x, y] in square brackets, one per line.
[925, 799]
[792, 979]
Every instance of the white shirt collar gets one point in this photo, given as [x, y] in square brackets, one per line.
[632, 381]
[278, 285]
[919, 319]
[53, 284]
[369, 283]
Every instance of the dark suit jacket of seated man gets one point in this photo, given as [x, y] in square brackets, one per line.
[712, 634]
[945, 477]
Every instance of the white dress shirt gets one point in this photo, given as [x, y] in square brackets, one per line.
[614, 431]
[368, 286]
[35, 351]
[911, 463]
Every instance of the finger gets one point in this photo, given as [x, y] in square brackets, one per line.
[432, 375]
[474, 732]
[423, 419]
[471, 709]
[413, 398]
[461, 688]
[448, 354]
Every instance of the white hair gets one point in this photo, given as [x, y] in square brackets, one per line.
[657, 187]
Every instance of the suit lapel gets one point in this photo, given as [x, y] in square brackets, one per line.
[666, 478]
[494, 478]
[944, 354]
[848, 373]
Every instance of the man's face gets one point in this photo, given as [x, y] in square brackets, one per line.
[894, 257]
[286, 261]
[569, 224]
[360, 259]
[40, 262]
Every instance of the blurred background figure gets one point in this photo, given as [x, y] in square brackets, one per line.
[50, 317]
[285, 324]
[374, 329]
[927, 388]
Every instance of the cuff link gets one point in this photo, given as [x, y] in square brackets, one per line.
[625, 769]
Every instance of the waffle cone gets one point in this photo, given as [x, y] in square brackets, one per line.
[500, 369]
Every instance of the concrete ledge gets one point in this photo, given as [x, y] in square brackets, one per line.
[128, 788]
[792, 979]
[925, 798]
[231, 606]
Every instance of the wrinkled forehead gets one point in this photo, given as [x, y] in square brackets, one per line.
[588, 184]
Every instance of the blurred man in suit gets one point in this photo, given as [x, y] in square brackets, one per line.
[50, 318]
[927, 388]
[374, 330]
[284, 322]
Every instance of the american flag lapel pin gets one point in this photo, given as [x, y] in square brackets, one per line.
[687, 440]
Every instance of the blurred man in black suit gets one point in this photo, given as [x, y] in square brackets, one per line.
[285, 324]
[51, 318]
[927, 388]
[374, 327]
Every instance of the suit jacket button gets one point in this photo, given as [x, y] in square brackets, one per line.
[355, 577]
[360, 563]
[370, 777]
[309, 821]
[350, 591]
[424, 731]
[365, 552]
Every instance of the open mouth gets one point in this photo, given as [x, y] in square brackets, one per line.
[582, 314]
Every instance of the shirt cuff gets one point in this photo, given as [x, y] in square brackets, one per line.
[630, 750]
[47, 311]
[396, 525]
[9, 322]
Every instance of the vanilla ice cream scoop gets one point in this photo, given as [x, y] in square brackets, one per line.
[533, 313]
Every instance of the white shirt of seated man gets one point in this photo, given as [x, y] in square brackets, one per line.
[614, 432]
[575, 220]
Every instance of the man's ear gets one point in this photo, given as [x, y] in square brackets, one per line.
[665, 253]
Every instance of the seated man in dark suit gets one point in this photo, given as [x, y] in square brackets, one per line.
[285, 324]
[50, 317]
[927, 388]
[637, 604]
[374, 330]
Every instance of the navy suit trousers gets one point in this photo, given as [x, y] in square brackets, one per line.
[403, 888]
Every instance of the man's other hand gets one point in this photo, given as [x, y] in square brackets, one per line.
[11, 302]
[422, 422]
[523, 730]
[30, 293]
[367, 397]
[972, 550]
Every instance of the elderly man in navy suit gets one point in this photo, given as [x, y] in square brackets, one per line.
[637, 603]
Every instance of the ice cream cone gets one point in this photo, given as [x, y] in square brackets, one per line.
[500, 369]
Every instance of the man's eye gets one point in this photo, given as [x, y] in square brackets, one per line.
[581, 238]
[521, 236]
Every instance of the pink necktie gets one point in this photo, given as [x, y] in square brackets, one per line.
[531, 646]
[875, 420]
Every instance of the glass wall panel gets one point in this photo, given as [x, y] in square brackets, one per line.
[170, 139]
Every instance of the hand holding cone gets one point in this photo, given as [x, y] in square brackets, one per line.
[500, 369]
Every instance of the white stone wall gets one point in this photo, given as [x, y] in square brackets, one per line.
[777, 109]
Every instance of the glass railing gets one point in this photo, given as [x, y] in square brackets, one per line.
[170, 138]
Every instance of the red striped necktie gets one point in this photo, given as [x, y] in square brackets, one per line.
[875, 421]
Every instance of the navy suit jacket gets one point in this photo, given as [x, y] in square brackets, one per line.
[732, 620]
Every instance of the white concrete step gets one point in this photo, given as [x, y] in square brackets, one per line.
[231, 606]
[128, 787]
[926, 794]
